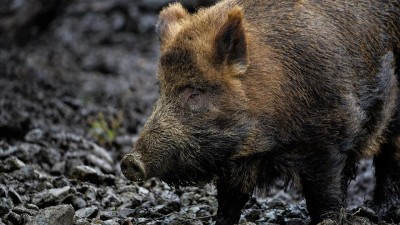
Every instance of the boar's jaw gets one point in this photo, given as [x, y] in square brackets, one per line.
[132, 167]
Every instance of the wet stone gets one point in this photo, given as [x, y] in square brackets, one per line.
[89, 174]
[55, 215]
[111, 200]
[22, 209]
[3, 191]
[16, 198]
[253, 216]
[106, 215]
[14, 218]
[123, 213]
[52, 196]
[110, 222]
[82, 222]
[88, 212]
[327, 222]
[295, 221]
[104, 165]
[60, 182]
[78, 202]
[34, 135]
[11, 164]
[25, 173]
[5, 205]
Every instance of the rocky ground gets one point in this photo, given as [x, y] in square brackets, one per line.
[77, 80]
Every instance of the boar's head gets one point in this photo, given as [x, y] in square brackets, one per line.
[200, 118]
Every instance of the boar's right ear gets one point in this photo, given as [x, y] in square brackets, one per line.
[168, 21]
[231, 43]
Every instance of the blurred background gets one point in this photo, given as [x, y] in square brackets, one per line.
[77, 81]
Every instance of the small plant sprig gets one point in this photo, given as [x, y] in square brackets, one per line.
[104, 129]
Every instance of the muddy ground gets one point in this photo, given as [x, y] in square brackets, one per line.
[77, 81]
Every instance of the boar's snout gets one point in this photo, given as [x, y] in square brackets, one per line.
[132, 167]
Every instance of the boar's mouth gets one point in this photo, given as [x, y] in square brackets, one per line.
[181, 171]
[132, 168]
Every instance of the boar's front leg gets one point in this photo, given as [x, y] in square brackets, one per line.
[230, 203]
[321, 181]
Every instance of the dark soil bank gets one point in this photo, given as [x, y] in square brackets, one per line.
[77, 80]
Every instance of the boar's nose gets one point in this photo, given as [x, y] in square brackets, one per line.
[132, 168]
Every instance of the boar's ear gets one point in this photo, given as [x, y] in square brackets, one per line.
[230, 42]
[168, 21]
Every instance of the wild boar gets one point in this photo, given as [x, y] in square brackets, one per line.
[255, 91]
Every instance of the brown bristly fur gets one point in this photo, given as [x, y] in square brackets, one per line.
[256, 91]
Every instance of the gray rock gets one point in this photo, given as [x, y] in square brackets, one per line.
[111, 199]
[106, 215]
[110, 222]
[104, 165]
[11, 164]
[327, 222]
[88, 212]
[295, 221]
[55, 215]
[123, 213]
[14, 218]
[25, 173]
[82, 222]
[23, 209]
[3, 191]
[34, 135]
[5, 205]
[16, 198]
[89, 174]
[52, 196]
[78, 202]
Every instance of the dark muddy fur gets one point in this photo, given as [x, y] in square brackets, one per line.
[387, 165]
[256, 91]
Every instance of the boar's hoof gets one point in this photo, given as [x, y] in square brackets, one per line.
[132, 168]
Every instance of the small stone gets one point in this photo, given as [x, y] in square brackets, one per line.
[110, 200]
[82, 222]
[60, 182]
[295, 221]
[5, 206]
[52, 196]
[143, 191]
[127, 222]
[58, 168]
[16, 198]
[11, 164]
[253, 216]
[34, 135]
[88, 212]
[203, 213]
[32, 206]
[78, 202]
[110, 222]
[3, 191]
[55, 215]
[106, 215]
[104, 165]
[25, 173]
[123, 213]
[327, 222]
[21, 209]
[14, 218]
[90, 193]
[89, 174]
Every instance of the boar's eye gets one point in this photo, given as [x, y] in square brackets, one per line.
[194, 98]
[192, 93]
